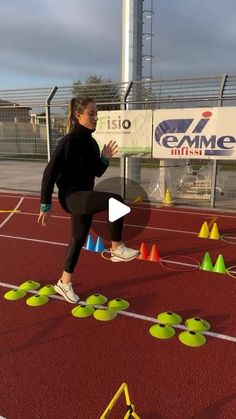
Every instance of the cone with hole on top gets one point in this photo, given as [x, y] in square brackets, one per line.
[82, 311]
[96, 299]
[29, 285]
[118, 304]
[169, 318]
[143, 252]
[219, 266]
[37, 300]
[167, 200]
[206, 263]
[104, 314]
[154, 255]
[14, 294]
[47, 290]
[162, 331]
[204, 232]
[214, 234]
[197, 324]
[89, 245]
[192, 338]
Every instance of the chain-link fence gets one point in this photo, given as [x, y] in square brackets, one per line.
[32, 121]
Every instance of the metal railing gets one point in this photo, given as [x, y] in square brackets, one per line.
[32, 121]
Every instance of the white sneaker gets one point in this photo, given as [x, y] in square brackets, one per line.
[124, 254]
[66, 290]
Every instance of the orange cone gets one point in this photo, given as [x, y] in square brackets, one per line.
[143, 252]
[214, 232]
[154, 255]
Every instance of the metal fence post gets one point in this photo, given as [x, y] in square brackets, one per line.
[48, 121]
[213, 185]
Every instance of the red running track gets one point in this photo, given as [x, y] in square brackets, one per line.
[54, 365]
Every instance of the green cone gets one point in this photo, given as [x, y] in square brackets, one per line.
[47, 290]
[170, 318]
[96, 299]
[37, 300]
[104, 315]
[220, 265]
[206, 263]
[197, 324]
[14, 294]
[118, 304]
[29, 285]
[162, 331]
[82, 311]
[191, 338]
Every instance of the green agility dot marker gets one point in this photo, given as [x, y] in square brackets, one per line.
[14, 294]
[192, 338]
[169, 318]
[95, 299]
[47, 290]
[82, 311]
[118, 304]
[104, 315]
[162, 331]
[29, 285]
[197, 324]
[37, 300]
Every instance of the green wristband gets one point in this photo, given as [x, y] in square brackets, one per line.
[45, 207]
[105, 160]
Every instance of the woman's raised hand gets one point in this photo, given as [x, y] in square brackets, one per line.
[109, 150]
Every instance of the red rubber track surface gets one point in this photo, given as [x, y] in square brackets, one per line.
[54, 365]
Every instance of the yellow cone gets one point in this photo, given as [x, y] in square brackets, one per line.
[204, 232]
[138, 199]
[167, 199]
[214, 232]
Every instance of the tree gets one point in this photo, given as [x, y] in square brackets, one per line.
[106, 93]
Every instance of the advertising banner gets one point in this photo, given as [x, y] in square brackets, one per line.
[204, 133]
[132, 130]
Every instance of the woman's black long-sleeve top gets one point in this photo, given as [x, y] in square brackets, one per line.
[74, 164]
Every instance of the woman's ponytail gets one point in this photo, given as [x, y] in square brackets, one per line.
[76, 105]
[71, 116]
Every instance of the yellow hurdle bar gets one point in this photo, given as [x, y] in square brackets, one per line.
[10, 211]
[130, 412]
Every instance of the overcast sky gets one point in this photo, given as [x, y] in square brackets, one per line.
[56, 42]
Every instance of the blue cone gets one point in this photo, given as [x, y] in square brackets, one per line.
[89, 244]
[99, 247]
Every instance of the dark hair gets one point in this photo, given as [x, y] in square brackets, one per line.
[77, 105]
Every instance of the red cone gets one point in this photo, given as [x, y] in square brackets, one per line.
[143, 252]
[154, 255]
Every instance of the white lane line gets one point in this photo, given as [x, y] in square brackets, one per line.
[33, 240]
[11, 214]
[125, 224]
[152, 208]
[129, 314]
[66, 244]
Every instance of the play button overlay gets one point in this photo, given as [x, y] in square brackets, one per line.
[117, 210]
[135, 209]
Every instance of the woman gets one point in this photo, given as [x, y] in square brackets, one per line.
[73, 167]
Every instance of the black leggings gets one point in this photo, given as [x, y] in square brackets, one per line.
[82, 205]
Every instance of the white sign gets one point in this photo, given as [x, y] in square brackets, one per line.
[204, 133]
[116, 209]
[132, 130]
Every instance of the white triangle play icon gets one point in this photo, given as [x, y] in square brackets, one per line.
[116, 209]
